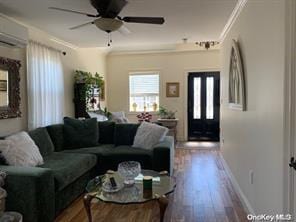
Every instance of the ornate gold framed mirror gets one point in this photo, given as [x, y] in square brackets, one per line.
[9, 88]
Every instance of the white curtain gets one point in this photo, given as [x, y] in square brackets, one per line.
[45, 86]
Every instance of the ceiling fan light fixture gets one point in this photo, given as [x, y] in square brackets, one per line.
[108, 24]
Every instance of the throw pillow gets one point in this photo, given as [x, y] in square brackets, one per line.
[2, 159]
[124, 133]
[20, 150]
[106, 131]
[80, 133]
[148, 135]
[56, 133]
[42, 139]
[119, 117]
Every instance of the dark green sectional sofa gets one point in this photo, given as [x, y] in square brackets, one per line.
[40, 193]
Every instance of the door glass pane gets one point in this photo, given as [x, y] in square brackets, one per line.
[210, 97]
[197, 95]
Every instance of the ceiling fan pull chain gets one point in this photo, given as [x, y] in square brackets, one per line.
[109, 39]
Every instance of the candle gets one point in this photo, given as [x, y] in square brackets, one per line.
[147, 183]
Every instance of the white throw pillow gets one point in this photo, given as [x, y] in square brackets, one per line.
[100, 117]
[119, 117]
[20, 150]
[148, 135]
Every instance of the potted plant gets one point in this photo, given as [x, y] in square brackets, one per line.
[166, 114]
[91, 83]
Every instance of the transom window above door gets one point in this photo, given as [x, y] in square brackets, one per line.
[143, 91]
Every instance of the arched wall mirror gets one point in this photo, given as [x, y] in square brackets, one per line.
[9, 88]
[237, 93]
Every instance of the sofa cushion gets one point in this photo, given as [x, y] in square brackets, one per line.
[56, 133]
[97, 150]
[106, 131]
[67, 167]
[80, 133]
[42, 139]
[124, 133]
[112, 157]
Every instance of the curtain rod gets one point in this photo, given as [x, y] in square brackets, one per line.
[49, 47]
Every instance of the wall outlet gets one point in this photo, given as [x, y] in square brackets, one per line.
[251, 177]
[222, 140]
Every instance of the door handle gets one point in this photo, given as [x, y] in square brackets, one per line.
[292, 163]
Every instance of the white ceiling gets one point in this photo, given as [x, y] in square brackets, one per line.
[196, 20]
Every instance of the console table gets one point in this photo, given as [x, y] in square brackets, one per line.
[171, 124]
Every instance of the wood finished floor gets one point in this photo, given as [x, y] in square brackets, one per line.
[204, 193]
[198, 145]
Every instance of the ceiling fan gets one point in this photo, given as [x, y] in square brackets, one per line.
[108, 18]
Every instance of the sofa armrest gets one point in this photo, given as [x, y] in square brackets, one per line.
[30, 191]
[163, 155]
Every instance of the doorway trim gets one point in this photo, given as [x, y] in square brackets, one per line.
[289, 106]
[185, 88]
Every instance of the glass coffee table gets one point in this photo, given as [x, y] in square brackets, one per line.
[162, 185]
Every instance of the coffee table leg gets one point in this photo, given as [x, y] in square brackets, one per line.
[87, 205]
[163, 203]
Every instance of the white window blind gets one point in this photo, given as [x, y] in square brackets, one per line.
[144, 92]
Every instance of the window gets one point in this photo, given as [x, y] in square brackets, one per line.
[45, 86]
[144, 92]
[197, 95]
[210, 97]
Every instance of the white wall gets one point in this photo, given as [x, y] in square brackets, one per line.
[172, 66]
[254, 139]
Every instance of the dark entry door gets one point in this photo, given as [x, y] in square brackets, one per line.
[204, 106]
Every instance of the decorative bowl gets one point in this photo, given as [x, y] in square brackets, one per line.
[129, 170]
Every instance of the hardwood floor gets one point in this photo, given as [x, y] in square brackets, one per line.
[204, 193]
[198, 145]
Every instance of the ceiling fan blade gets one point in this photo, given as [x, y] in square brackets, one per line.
[109, 8]
[124, 30]
[82, 25]
[147, 20]
[72, 11]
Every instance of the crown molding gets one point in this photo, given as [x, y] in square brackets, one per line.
[158, 49]
[64, 43]
[234, 15]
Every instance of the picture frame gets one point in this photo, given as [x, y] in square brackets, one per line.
[236, 87]
[172, 89]
[3, 85]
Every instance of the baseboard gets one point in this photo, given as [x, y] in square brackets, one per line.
[246, 204]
